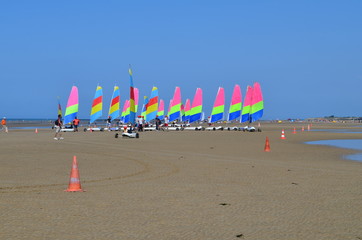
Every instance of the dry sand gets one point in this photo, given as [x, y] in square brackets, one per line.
[180, 185]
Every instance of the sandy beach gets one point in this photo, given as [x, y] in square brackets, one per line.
[204, 185]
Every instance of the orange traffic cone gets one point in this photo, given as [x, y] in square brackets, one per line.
[282, 136]
[74, 182]
[36, 130]
[294, 131]
[267, 145]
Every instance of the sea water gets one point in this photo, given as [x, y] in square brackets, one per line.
[41, 127]
[338, 130]
[41, 123]
[355, 144]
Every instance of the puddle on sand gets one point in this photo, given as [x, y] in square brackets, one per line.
[355, 144]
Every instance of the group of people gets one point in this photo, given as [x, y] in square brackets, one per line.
[141, 123]
[58, 124]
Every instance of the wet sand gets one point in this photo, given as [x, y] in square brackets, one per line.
[180, 185]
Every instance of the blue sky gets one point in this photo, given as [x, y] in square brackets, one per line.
[306, 55]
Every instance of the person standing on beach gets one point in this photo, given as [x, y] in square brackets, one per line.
[58, 127]
[166, 122]
[158, 123]
[76, 124]
[109, 123]
[140, 123]
[3, 123]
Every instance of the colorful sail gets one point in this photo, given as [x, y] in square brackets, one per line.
[187, 110]
[161, 110]
[114, 107]
[169, 108]
[257, 103]
[152, 106]
[245, 113]
[183, 116]
[132, 101]
[127, 115]
[144, 108]
[72, 106]
[175, 110]
[235, 105]
[196, 109]
[217, 113]
[124, 112]
[97, 104]
[136, 95]
[59, 108]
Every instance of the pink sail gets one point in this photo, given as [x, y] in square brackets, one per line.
[187, 110]
[161, 110]
[136, 95]
[257, 103]
[125, 111]
[219, 105]
[175, 110]
[196, 110]
[169, 107]
[245, 114]
[235, 106]
[72, 106]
